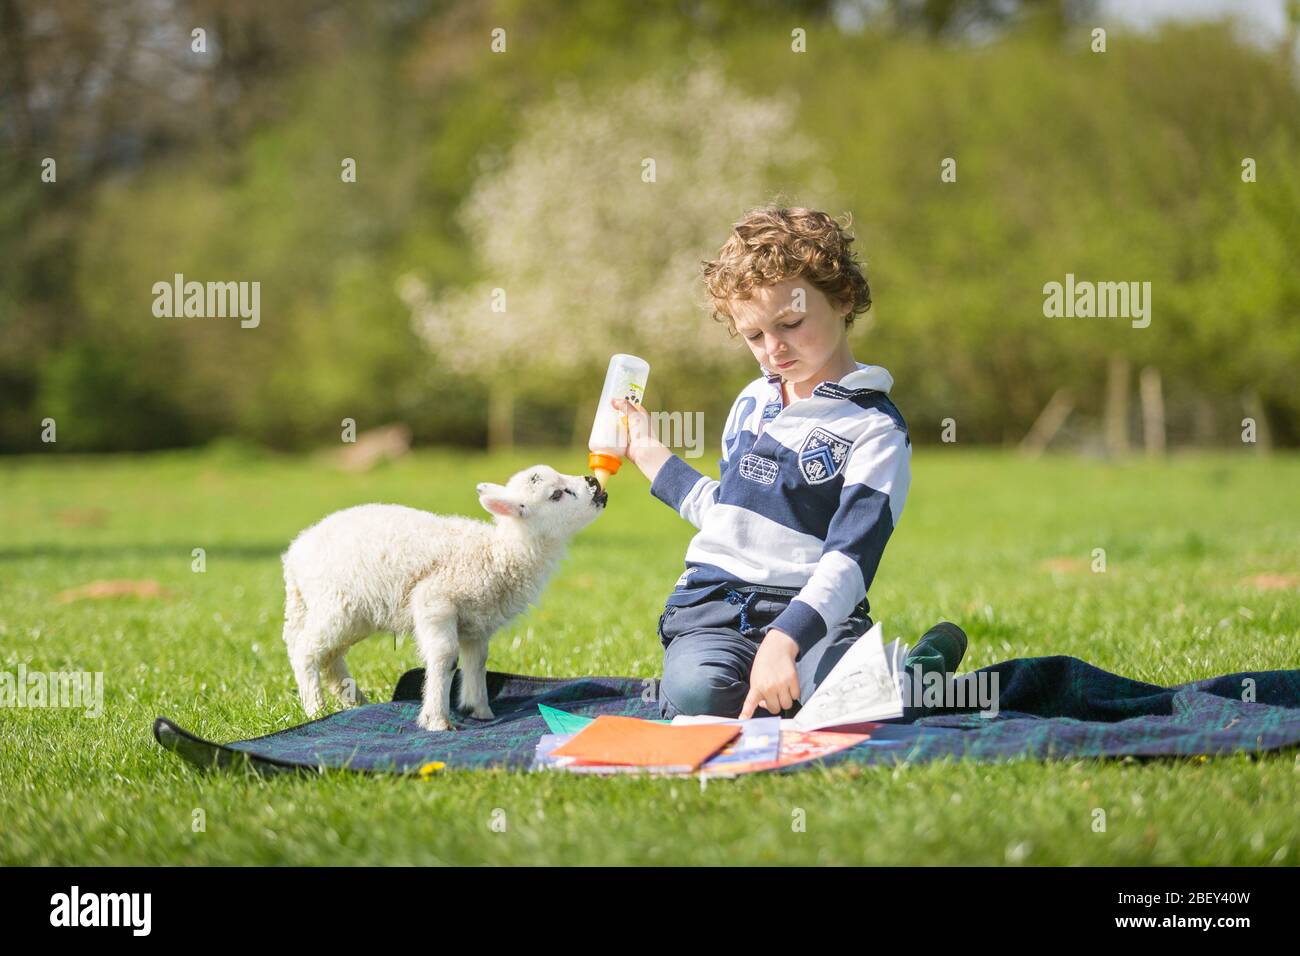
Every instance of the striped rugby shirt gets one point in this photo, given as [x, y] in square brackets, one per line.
[809, 494]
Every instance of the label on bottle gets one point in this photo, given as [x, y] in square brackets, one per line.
[609, 433]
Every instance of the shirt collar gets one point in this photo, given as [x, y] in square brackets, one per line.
[871, 377]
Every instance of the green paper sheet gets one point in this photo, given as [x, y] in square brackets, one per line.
[562, 722]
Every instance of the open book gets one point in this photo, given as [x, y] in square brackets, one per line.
[863, 687]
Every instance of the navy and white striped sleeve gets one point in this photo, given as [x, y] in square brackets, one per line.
[687, 491]
[876, 479]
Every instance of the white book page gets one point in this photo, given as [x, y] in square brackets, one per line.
[862, 686]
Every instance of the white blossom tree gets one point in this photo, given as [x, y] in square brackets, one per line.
[591, 228]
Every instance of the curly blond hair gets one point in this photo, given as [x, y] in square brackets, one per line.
[773, 243]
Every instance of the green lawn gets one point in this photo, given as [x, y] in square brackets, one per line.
[1202, 570]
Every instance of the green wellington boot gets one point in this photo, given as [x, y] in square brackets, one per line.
[939, 650]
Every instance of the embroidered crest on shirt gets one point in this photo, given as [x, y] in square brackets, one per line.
[822, 456]
[757, 468]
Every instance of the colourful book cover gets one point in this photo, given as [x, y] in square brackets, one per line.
[797, 746]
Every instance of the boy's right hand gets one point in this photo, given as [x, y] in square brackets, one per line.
[638, 426]
[643, 449]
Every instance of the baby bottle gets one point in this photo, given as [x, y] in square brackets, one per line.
[625, 378]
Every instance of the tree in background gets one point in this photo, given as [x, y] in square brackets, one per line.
[590, 232]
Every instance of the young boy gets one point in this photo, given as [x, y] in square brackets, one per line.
[815, 470]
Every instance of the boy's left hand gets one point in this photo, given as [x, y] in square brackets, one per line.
[773, 680]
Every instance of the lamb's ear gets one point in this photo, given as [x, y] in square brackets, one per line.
[499, 501]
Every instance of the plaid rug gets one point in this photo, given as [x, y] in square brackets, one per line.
[1048, 708]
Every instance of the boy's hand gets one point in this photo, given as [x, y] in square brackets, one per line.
[643, 449]
[638, 426]
[773, 680]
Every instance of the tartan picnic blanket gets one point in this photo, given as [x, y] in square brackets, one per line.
[1048, 708]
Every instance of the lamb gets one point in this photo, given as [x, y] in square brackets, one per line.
[451, 581]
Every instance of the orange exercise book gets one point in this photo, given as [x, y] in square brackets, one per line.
[634, 742]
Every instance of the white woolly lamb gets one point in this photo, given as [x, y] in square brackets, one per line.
[451, 581]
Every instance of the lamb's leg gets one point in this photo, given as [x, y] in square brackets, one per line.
[300, 645]
[340, 681]
[324, 637]
[473, 678]
[306, 668]
[435, 633]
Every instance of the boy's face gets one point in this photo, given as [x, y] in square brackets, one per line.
[797, 344]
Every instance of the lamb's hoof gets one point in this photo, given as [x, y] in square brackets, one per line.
[433, 722]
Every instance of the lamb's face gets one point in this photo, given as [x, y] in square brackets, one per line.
[553, 504]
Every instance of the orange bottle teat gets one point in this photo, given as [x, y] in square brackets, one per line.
[602, 466]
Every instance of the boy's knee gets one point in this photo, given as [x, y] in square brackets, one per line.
[696, 691]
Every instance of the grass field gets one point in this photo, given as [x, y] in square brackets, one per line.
[1202, 577]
